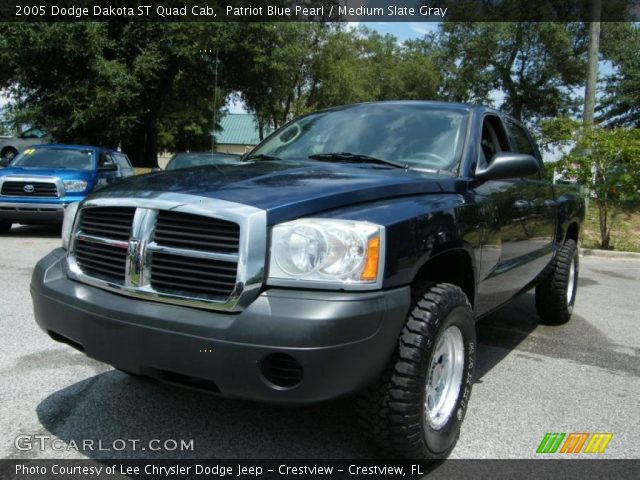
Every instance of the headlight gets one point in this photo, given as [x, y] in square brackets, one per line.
[67, 223]
[327, 252]
[74, 186]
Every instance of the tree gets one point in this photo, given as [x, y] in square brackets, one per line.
[297, 68]
[620, 103]
[534, 65]
[360, 66]
[270, 66]
[128, 84]
[606, 161]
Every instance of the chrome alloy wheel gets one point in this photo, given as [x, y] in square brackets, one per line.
[444, 378]
[572, 281]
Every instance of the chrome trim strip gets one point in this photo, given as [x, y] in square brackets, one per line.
[60, 190]
[30, 207]
[101, 240]
[251, 257]
[184, 252]
[137, 260]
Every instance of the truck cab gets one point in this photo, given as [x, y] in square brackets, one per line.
[40, 182]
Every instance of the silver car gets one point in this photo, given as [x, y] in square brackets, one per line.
[10, 146]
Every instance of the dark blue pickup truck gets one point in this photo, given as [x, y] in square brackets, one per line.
[43, 180]
[350, 252]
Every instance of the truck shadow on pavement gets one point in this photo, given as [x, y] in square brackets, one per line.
[113, 405]
[515, 329]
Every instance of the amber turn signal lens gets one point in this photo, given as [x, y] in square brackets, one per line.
[370, 271]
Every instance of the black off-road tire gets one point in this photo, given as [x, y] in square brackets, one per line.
[552, 302]
[393, 411]
[5, 227]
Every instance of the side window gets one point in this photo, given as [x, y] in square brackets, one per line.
[520, 139]
[494, 138]
[113, 158]
[32, 133]
[123, 161]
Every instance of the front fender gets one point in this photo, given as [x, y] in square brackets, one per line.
[420, 228]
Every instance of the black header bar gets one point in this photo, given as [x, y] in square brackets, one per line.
[320, 10]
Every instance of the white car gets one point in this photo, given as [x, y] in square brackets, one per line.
[10, 146]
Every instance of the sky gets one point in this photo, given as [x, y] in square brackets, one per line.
[403, 30]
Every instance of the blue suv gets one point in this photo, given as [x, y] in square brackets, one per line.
[39, 183]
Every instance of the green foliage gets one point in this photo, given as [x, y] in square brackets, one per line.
[270, 65]
[605, 161]
[148, 86]
[362, 65]
[533, 64]
[299, 67]
[620, 104]
[113, 84]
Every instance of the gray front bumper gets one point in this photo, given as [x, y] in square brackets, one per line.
[342, 340]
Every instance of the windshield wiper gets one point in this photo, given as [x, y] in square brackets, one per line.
[355, 158]
[261, 156]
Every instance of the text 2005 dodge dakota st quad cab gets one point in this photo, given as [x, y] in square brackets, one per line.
[350, 252]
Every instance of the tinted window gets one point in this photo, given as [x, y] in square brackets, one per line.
[520, 139]
[124, 161]
[121, 160]
[417, 135]
[46, 157]
[494, 139]
[33, 133]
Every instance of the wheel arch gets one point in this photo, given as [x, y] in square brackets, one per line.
[454, 265]
[573, 231]
[8, 147]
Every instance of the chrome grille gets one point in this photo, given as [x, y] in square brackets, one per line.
[106, 262]
[179, 275]
[180, 230]
[29, 189]
[186, 250]
[114, 223]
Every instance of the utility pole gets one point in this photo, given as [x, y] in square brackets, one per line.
[592, 63]
[215, 106]
[592, 70]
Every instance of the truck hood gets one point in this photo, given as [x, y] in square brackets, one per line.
[287, 190]
[63, 173]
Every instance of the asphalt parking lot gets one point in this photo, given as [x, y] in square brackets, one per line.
[530, 379]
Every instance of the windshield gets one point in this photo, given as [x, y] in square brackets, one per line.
[419, 136]
[66, 158]
[186, 160]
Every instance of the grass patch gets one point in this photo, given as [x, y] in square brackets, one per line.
[625, 235]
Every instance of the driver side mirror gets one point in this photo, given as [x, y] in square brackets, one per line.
[506, 165]
[4, 162]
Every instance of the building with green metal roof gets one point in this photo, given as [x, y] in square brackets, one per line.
[239, 133]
